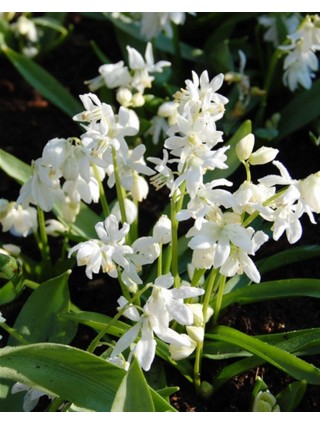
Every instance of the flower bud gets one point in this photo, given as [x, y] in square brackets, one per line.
[55, 228]
[124, 96]
[265, 402]
[137, 100]
[162, 230]
[130, 208]
[244, 147]
[310, 191]
[263, 156]
[196, 333]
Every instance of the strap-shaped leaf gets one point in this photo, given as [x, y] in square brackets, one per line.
[283, 360]
[273, 290]
[43, 82]
[72, 374]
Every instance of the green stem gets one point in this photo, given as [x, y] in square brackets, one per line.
[199, 349]
[44, 245]
[120, 190]
[174, 243]
[96, 341]
[103, 198]
[217, 308]
[160, 261]
[176, 206]
[15, 334]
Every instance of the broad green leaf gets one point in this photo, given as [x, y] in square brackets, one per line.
[290, 398]
[278, 357]
[273, 290]
[133, 394]
[72, 374]
[10, 270]
[42, 81]
[41, 320]
[294, 117]
[232, 161]
[14, 167]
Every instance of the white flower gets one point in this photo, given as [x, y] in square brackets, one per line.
[152, 23]
[2, 319]
[18, 220]
[55, 228]
[42, 188]
[179, 351]
[200, 96]
[31, 397]
[108, 252]
[301, 62]
[310, 191]
[218, 237]
[130, 208]
[162, 306]
[26, 27]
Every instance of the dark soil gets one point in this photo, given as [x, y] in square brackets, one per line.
[27, 122]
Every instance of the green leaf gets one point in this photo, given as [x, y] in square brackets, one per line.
[293, 117]
[273, 290]
[43, 82]
[14, 167]
[278, 357]
[288, 256]
[233, 160]
[133, 394]
[41, 320]
[290, 398]
[72, 374]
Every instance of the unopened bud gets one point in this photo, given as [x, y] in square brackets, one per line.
[263, 156]
[244, 147]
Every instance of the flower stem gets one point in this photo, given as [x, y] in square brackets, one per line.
[120, 190]
[221, 284]
[15, 334]
[176, 205]
[103, 198]
[44, 245]
[96, 341]
[199, 349]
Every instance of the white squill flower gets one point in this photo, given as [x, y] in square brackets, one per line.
[301, 62]
[108, 252]
[19, 220]
[152, 23]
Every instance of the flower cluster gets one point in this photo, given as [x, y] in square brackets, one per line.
[132, 80]
[162, 307]
[301, 62]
